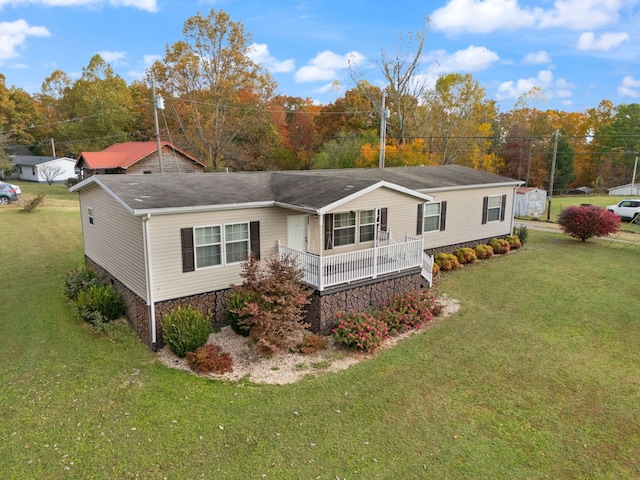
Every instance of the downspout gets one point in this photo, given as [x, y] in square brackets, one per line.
[513, 209]
[149, 282]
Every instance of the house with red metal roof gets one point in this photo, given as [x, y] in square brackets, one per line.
[138, 157]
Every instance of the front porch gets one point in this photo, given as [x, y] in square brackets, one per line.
[388, 256]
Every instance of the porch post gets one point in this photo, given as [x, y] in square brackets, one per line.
[320, 250]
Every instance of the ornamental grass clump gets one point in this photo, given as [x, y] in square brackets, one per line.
[407, 311]
[522, 232]
[359, 331]
[185, 329]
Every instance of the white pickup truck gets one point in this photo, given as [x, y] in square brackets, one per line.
[627, 209]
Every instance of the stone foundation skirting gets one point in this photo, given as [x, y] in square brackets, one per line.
[320, 313]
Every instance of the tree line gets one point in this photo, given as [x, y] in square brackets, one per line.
[223, 108]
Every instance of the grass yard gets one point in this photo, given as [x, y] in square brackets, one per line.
[558, 203]
[537, 376]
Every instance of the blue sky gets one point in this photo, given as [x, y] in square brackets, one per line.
[578, 52]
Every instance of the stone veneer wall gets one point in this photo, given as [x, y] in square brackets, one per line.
[453, 248]
[321, 312]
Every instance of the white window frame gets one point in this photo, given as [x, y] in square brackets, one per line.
[351, 226]
[90, 215]
[197, 246]
[228, 243]
[361, 224]
[431, 216]
[493, 209]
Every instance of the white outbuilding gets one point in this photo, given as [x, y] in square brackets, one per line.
[630, 189]
[43, 169]
[530, 202]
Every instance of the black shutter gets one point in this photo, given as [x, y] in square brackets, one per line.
[420, 216]
[383, 219]
[504, 207]
[485, 209]
[188, 259]
[443, 215]
[328, 231]
[254, 239]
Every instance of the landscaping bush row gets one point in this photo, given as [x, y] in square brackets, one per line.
[445, 262]
[367, 331]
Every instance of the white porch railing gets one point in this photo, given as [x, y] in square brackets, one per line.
[326, 271]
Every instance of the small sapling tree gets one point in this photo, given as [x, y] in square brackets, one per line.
[587, 221]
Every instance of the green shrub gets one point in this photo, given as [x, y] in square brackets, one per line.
[79, 279]
[466, 255]
[209, 358]
[99, 303]
[484, 251]
[499, 245]
[359, 331]
[237, 322]
[312, 343]
[522, 233]
[185, 329]
[446, 261]
[513, 241]
[71, 181]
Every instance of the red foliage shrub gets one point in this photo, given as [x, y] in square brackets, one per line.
[312, 343]
[585, 222]
[209, 358]
[409, 310]
[359, 331]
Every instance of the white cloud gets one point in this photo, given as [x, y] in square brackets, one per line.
[544, 81]
[536, 58]
[13, 36]
[112, 57]
[484, 16]
[259, 53]
[147, 61]
[471, 59]
[630, 87]
[148, 5]
[326, 65]
[607, 41]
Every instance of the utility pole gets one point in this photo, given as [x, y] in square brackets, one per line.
[383, 132]
[53, 151]
[158, 104]
[633, 178]
[553, 172]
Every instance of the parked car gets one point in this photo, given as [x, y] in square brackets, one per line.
[627, 209]
[16, 188]
[7, 194]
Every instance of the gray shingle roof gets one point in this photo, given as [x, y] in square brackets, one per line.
[305, 189]
[33, 160]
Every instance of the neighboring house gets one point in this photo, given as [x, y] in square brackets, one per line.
[138, 157]
[43, 169]
[360, 235]
[630, 189]
[530, 202]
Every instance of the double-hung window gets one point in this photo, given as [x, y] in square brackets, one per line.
[494, 208]
[344, 229]
[208, 246]
[367, 225]
[431, 221]
[236, 242]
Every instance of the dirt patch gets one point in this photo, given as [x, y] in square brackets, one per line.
[286, 367]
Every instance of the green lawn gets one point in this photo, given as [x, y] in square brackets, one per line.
[558, 203]
[537, 376]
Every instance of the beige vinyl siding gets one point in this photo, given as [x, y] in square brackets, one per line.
[115, 240]
[464, 217]
[401, 217]
[172, 162]
[169, 281]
